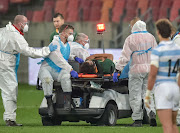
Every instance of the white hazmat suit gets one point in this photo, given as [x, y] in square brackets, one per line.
[137, 47]
[79, 50]
[47, 73]
[12, 43]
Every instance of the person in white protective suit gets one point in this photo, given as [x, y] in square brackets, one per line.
[176, 40]
[136, 53]
[12, 44]
[162, 77]
[80, 46]
[56, 68]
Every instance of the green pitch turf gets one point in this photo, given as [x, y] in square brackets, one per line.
[29, 100]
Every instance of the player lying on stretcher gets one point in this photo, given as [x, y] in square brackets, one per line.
[98, 64]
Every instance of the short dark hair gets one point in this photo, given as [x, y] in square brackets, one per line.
[164, 27]
[65, 27]
[86, 68]
[58, 15]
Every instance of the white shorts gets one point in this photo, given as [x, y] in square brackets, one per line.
[167, 95]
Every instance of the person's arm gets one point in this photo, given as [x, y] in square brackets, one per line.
[178, 78]
[58, 58]
[100, 56]
[151, 82]
[79, 52]
[152, 77]
[21, 46]
[125, 55]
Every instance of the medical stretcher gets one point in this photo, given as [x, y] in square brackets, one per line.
[96, 99]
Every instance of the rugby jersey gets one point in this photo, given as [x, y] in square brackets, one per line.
[167, 54]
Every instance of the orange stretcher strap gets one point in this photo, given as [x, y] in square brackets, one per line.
[81, 75]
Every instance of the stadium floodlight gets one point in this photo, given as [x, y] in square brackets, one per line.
[100, 30]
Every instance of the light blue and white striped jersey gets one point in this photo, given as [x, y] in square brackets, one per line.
[167, 54]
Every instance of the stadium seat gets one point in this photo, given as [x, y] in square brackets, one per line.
[106, 6]
[131, 6]
[95, 11]
[38, 16]
[26, 1]
[4, 5]
[61, 7]
[85, 6]
[48, 14]
[143, 6]
[72, 15]
[48, 3]
[165, 5]
[48, 8]
[29, 14]
[117, 10]
[175, 10]
[155, 4]
[19, 1]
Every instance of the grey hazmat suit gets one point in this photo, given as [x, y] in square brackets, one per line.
[137, 49]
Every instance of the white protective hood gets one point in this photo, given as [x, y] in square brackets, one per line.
[139, 26]
[10, 27]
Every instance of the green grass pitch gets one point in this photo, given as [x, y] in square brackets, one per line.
[29, 100]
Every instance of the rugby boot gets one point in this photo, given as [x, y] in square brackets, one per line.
[12, 123]
[50, 106]
[137, 123]
[67, 101]
[152, 119]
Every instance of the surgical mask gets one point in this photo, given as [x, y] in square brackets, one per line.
[26, 27]
[70, 38]
[86, 46]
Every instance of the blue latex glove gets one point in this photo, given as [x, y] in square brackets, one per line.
[52, 47]
[74, 74]
[79, 60]
[115, 79]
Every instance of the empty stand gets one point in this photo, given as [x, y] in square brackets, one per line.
[131, 6]
[48, 4]
[84, 11]
[38, 16]
[61, 7]
[117, 10]
[155, 4]
[4, 5]
[19, 1]
[165, 6]
[26, 1]
[48, 9]
[29, 15]
[73, 10]
[175, 10]
[142, 6]
[105, 10]
[48, 14]
[95, 11]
